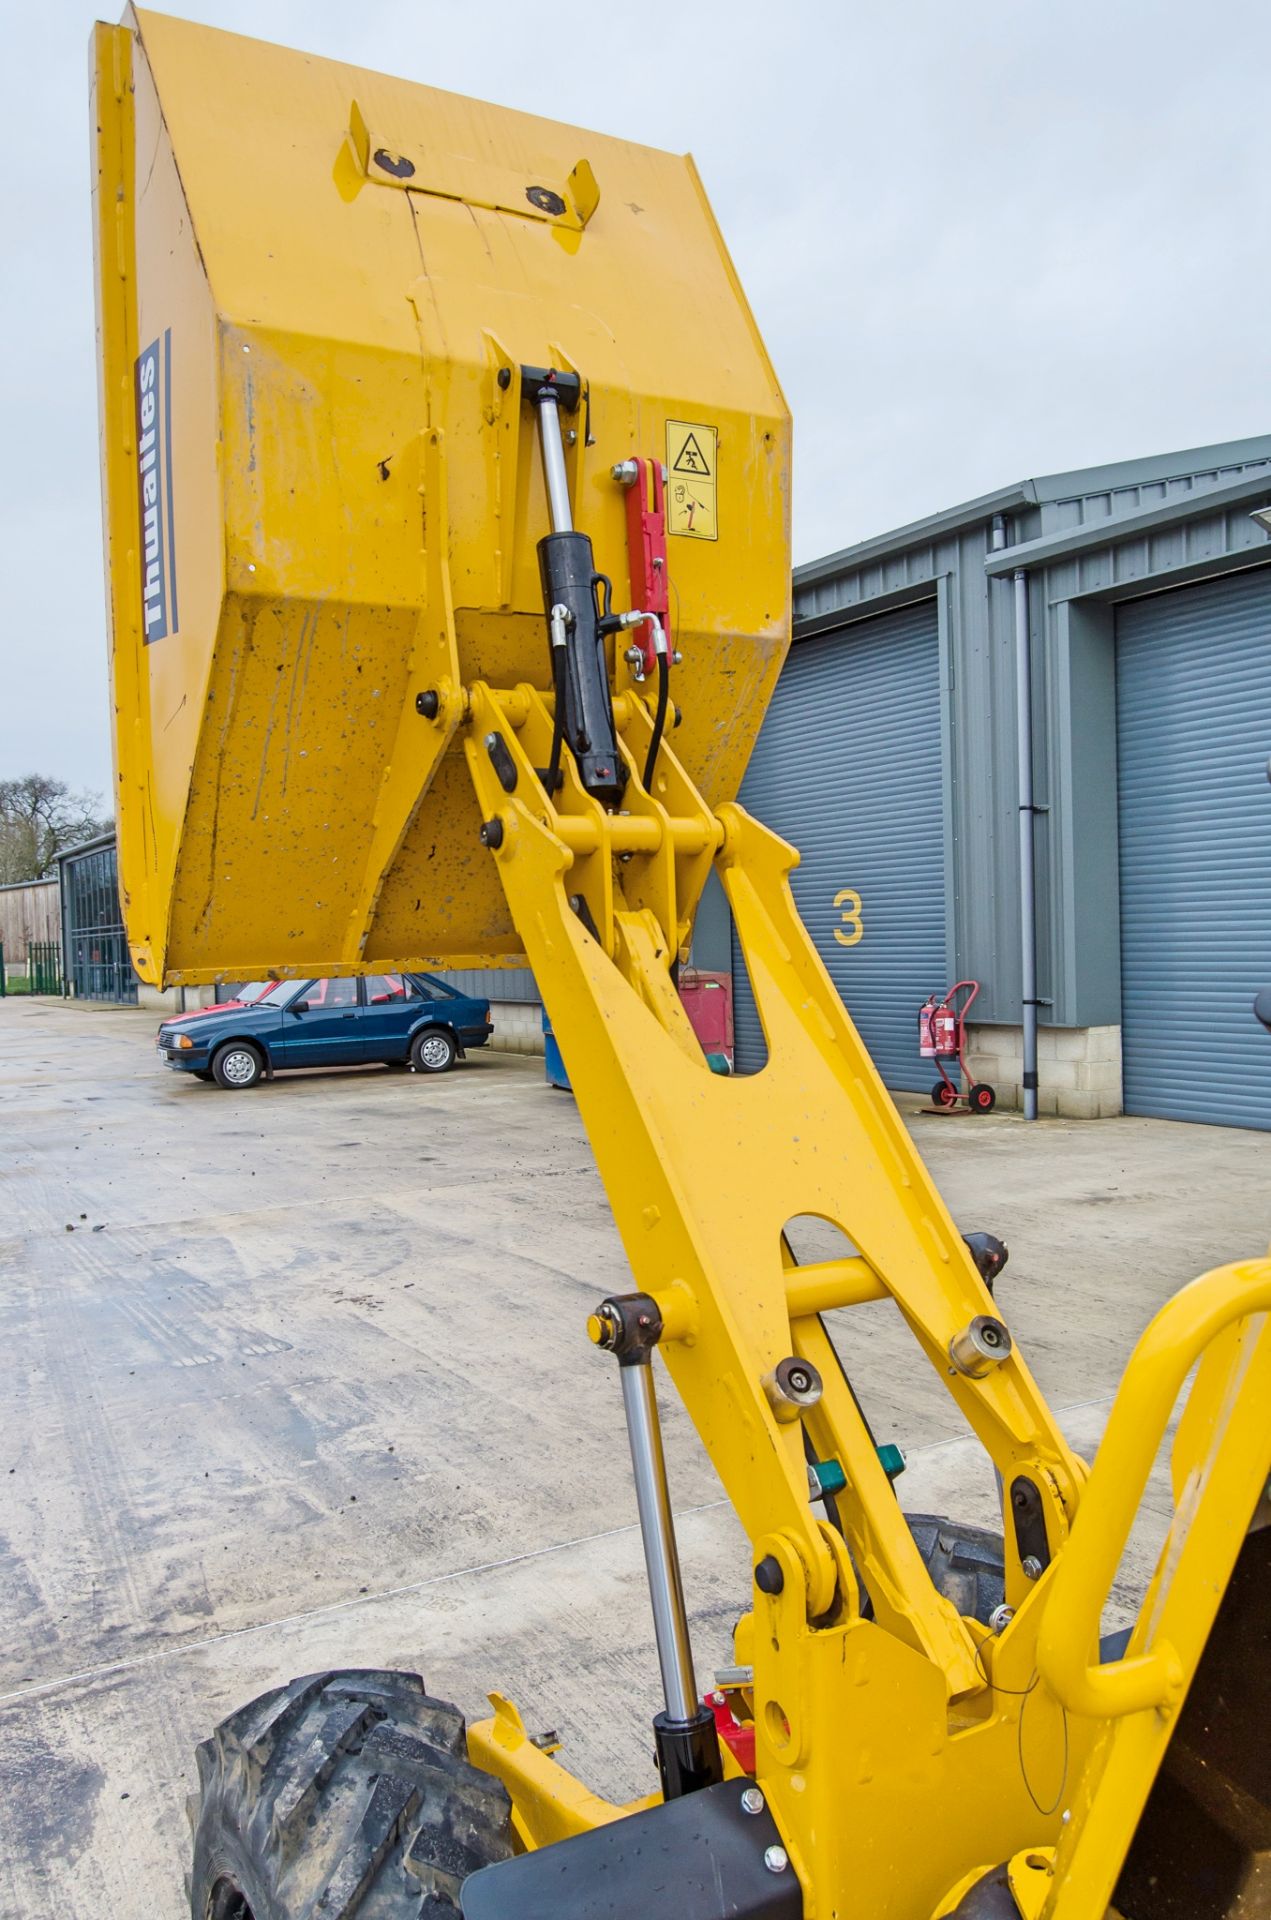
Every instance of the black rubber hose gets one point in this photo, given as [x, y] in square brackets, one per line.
[659, 719]
[558, 722]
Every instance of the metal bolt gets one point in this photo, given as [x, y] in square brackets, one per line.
[505, 378]
[791, 1388]
[776, 1859]
[983, 1344]
[1031, 1567]
[1000, 1619]
[769, 1577]
[625, 473]
[752, 1801]
[570, 437]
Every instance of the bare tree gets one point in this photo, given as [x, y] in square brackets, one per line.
[39, 818]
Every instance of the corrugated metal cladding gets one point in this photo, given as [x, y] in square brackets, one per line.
[848, 768]
[494, 983]
[1087, 540]
[1193, 733]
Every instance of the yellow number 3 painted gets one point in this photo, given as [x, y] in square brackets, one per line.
[849, 901]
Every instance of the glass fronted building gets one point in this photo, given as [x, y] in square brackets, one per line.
[95, 962]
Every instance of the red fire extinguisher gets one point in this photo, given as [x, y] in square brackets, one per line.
[942, 1036]
[937, 1029]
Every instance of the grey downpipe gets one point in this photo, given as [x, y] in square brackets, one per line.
[1027, 860]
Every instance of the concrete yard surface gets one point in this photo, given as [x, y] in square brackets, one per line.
[297, 1378]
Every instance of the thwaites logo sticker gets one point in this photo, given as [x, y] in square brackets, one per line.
[154, 483]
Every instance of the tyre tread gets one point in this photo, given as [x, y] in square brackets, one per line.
[392, 1802]
[344, 1789]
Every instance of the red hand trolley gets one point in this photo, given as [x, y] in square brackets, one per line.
[941, 1037]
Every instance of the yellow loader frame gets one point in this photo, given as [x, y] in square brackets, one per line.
[917, 1722]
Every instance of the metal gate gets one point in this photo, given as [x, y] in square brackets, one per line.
[96, 944]
[849, 768]
[43, 966]
[1193, 734]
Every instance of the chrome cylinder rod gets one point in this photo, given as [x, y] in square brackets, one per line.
[549, 435]
[661, 1560]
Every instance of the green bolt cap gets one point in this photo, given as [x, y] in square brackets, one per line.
[892, 1461]
[829, 1475]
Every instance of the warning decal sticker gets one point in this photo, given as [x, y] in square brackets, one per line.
[692, 468]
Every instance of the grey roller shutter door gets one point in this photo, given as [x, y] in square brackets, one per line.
[848, 768]
[1193, 735]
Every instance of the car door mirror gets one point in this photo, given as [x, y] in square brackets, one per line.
[300, 1006]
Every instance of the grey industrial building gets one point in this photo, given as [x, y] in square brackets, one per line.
[1140, 596]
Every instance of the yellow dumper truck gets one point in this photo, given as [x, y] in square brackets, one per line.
[447, 523]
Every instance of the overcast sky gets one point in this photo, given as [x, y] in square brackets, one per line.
[983, 241]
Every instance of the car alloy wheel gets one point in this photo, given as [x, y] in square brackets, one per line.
[239, 1067]
[435, 1052]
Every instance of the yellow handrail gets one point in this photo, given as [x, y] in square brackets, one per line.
[1161, 1361]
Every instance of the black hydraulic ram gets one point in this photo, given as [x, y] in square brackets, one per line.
[629, 1326]
[584, 706]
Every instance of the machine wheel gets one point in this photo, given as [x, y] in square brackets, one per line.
[942, 1094]
[433, 1051]
[237, 1065]
[982, 1097]
[339, 1794]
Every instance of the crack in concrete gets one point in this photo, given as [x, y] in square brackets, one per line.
[87, 1675]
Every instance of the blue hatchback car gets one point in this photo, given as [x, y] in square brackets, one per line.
[402, 1019]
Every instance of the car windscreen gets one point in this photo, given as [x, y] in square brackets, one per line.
[285, 991]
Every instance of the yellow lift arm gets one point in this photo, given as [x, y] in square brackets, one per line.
[379, 368]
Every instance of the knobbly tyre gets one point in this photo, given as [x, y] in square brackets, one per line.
[448, 568]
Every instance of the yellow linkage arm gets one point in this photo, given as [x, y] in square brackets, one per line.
[704, 1172]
